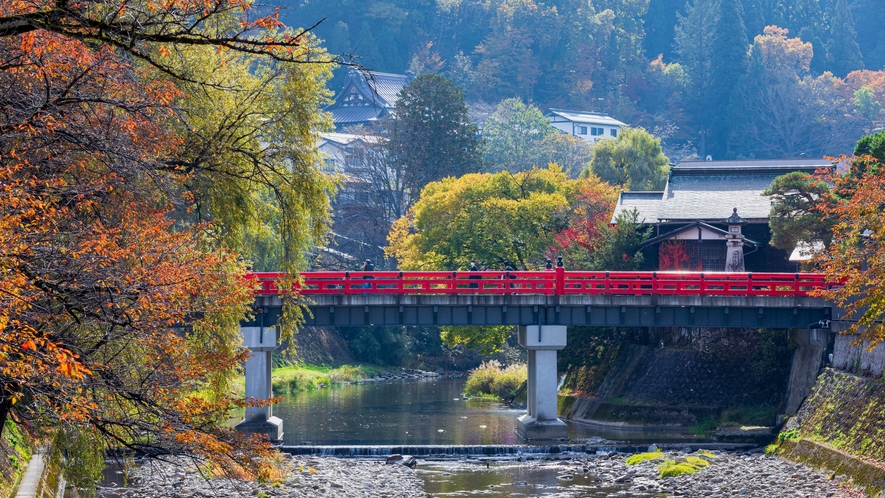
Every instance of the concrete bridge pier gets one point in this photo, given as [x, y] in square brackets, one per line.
[540, 420]
[261, 341]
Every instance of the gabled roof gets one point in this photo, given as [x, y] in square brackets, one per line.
[584, 117]
[646, 203]
[706, 232]
[367, 96]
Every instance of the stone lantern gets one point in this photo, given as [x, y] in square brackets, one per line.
[734, 243]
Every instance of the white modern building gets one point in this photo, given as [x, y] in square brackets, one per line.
[590, 126]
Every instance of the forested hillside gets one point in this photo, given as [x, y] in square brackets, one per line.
[706, 76]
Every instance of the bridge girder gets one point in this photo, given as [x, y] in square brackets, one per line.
[601, 311]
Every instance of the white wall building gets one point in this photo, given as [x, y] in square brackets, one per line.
[590, 126]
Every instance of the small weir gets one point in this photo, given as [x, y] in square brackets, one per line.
[458, 451]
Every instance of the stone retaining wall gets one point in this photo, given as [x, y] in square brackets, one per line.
[857, 358]
[821, 456]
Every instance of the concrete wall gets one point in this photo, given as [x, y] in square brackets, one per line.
[857, 358]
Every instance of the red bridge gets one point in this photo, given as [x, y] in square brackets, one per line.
[548, 283]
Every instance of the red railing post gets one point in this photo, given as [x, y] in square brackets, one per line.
[559, 288]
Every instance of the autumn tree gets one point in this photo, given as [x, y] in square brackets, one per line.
[141, 144]
[785, 111]
[490, 218]
[518, 218]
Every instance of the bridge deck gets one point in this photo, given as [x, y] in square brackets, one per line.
[771, 300]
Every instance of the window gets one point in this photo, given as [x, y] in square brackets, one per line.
[582, 130]
[613, 132]
[597, 131]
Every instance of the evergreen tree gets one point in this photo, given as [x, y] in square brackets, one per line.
[432, 137]
[694, 44]
[843, 52]
[660, 25]
[729, 44]
[869, 17]
[367, 50]
[754, 17]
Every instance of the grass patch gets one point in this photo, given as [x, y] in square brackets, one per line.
[643, 457]
[672, 468]
[15, 452]
[705, 426]
[295, 378]
[491, 378]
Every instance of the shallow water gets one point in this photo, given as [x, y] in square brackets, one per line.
[421, 412]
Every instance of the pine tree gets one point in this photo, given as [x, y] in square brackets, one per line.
[869, 17]
[729, 44]
[694, 45]
[843, 52]
[367, 49]
[660, 23]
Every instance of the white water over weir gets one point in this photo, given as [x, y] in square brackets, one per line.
[455, 451]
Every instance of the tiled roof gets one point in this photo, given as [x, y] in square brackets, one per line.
[646, 203]
[356, 114]
[585, 117]
[710, 190]
[379, 93]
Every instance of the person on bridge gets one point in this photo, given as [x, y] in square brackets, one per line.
[508, 268]
[368, 266]
[473, 267]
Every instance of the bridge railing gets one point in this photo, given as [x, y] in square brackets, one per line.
[551, 282]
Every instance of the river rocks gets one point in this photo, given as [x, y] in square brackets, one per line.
[729, 474]
[405, 374]
[407, 460]
[306, 477]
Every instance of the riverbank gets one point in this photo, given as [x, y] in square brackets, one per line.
[751, 474]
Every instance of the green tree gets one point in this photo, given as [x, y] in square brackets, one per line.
[633, 160]
[843, 52]
[693, 42]
[490, 218]
[729, 44]
[659, 22]
[619, 245]
[794, 218]
[431, 136]
[865, 103]
[513, 136]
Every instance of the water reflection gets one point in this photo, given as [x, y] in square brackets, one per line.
[424, 412]
[408, 412]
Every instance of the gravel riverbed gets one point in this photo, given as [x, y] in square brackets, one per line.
[729, 474]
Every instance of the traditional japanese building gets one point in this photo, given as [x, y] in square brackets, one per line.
[707, 203]
[366, 98]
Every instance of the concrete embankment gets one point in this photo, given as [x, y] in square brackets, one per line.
[683, 379]
[841, 428]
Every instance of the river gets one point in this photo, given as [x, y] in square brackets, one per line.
[427, 412]
[366, 417]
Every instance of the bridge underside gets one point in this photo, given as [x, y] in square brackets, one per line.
[602, 311]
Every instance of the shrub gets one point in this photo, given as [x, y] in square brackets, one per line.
[491, 378]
